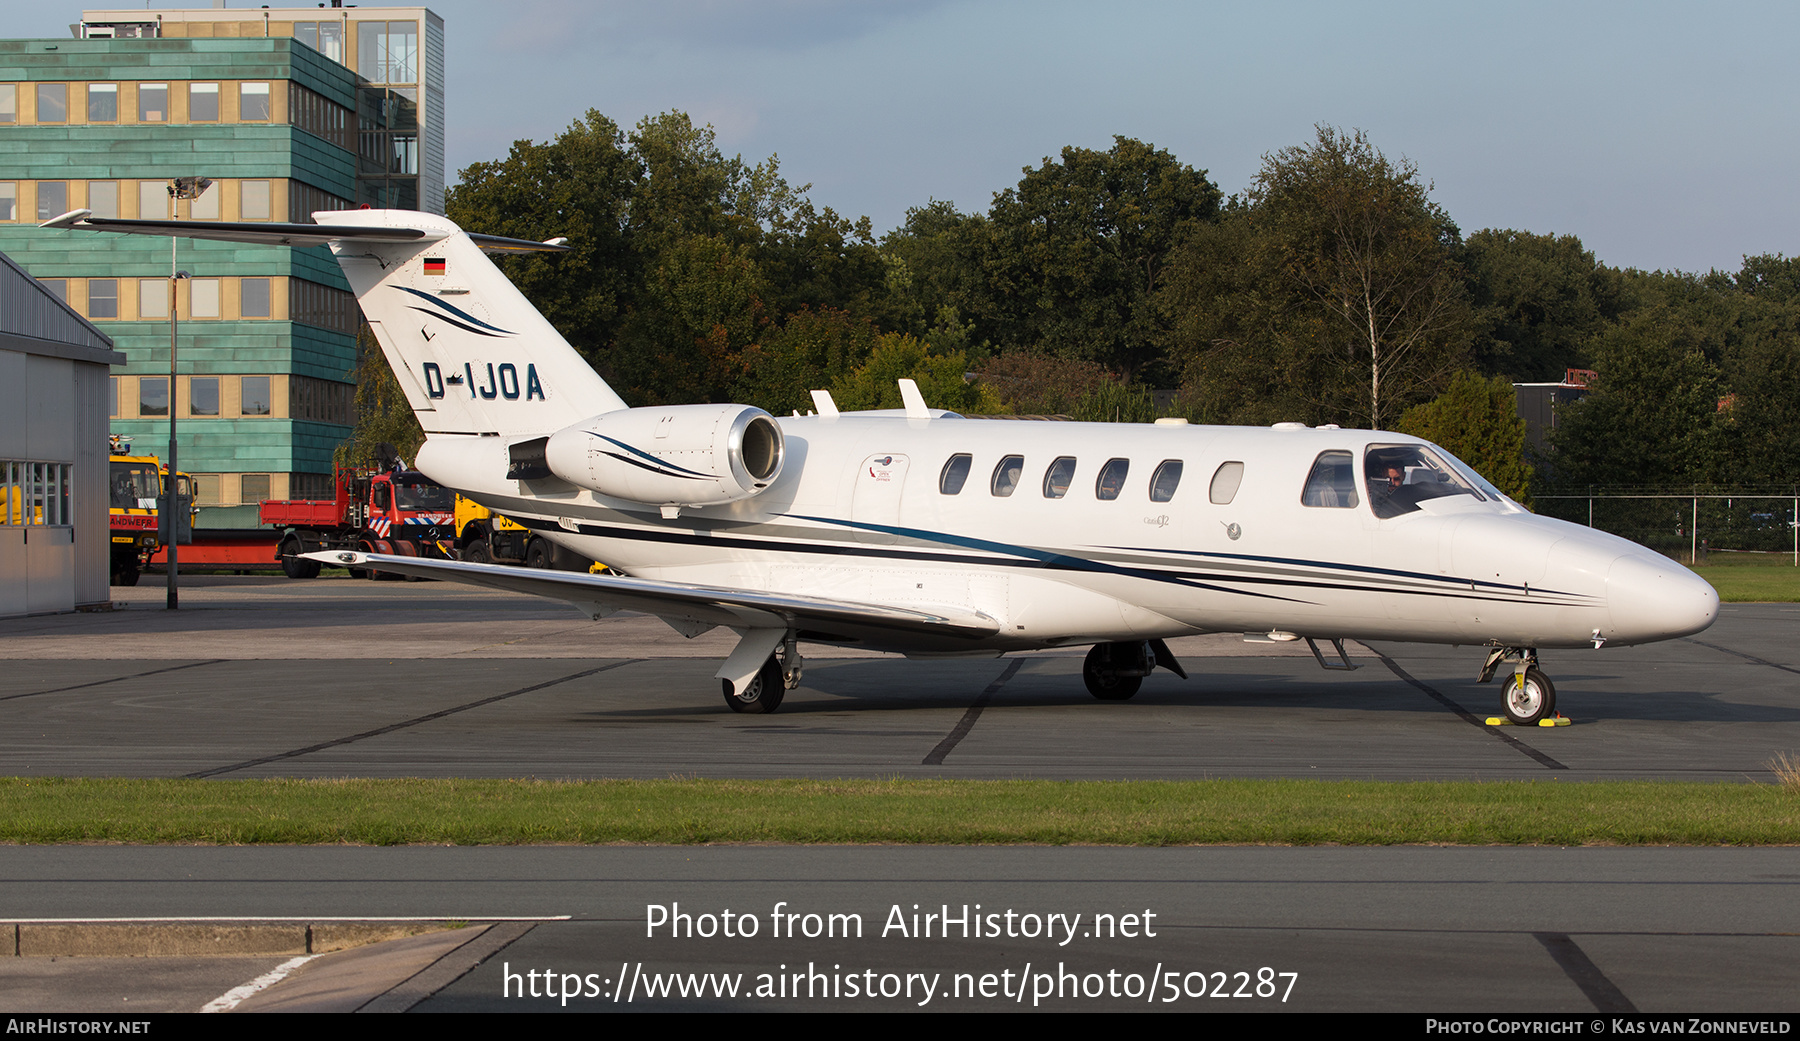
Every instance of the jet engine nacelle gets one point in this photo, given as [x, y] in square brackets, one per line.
[675, 455]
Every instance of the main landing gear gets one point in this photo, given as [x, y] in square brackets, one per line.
[1528, 695]
[1114, 671]
[763, 692]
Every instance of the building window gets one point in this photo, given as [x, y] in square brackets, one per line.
[325, 37]
[153, 395]
[103, 198]
[53, 199]
[9, 103]
[388, 52]
[153, 298]
[112, 384]
[9, 200]
[206, 207]
[254, 487]
[253, 298]
[203, 102]
[204, 299]
[103, 102]
[153, 200]
[206, 489]
[59, 287]
[254, 396]
[255, 204]
[35, 494]
[203, 396]
[53, 102]
[103, 298]
[253, 101]
[153, 102]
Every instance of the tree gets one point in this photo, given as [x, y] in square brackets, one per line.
[1360, 236]
[897, 356]
[1654, 417]
[1539, 299]
[383, 415]
[1476, 419]
[1073, 255]
[580, 186]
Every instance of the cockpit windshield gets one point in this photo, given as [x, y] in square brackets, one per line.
[1402, 476]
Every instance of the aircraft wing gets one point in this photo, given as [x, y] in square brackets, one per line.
[691, 609]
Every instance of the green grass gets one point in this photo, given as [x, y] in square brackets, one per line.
[1752, 577]
[1138, 813]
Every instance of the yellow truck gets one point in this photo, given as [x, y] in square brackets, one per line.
[486, 537]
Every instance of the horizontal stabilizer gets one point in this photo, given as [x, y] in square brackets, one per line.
[269, 233]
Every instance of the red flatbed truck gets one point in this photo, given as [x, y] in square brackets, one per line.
[388, 511]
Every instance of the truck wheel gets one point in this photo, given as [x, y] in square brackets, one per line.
[292, 564]
[128, 575]
[477, 552]
[538, 555]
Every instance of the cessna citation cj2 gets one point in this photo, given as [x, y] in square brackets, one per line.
[919, 531]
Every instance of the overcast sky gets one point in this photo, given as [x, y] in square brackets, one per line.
[1664, 135]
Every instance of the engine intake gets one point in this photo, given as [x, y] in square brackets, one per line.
[674, 455]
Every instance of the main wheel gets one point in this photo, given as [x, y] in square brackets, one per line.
[1103, 680]
[764, 692]
[1529, 701]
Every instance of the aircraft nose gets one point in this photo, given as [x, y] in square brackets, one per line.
[1654, 598]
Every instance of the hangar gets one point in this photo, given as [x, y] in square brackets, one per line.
[55, 538]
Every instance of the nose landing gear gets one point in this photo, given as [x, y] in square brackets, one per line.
[1528, 694]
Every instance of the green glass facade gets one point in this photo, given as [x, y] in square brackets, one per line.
[313, 348]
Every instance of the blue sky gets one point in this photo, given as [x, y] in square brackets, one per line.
[1664, 135]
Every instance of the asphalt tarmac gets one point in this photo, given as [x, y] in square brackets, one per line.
[259, 677]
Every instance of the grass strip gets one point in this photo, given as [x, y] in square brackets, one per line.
[902, 811]
[1752, 577]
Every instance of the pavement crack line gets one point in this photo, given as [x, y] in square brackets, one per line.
[452, 966]
[967, 722]
[1467, 716]
[1747, 657]
[115, 679]
[391, 727]
[1582, 971]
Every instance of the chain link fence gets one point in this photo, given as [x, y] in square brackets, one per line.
[1686, 523]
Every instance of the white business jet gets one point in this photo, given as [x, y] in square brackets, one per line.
[920, 531]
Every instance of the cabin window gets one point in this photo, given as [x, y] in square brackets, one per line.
[956, 472]
[1006, 475]
[1225, 483]
[1059, 476]
[1332, 482]
[1164, 482]
[1402, 476]
[1111, 480]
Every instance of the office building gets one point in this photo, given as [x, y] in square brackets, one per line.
[285, 112]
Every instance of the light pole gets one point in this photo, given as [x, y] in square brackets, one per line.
[180, 188]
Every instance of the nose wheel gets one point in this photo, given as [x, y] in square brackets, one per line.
[1527, 695]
